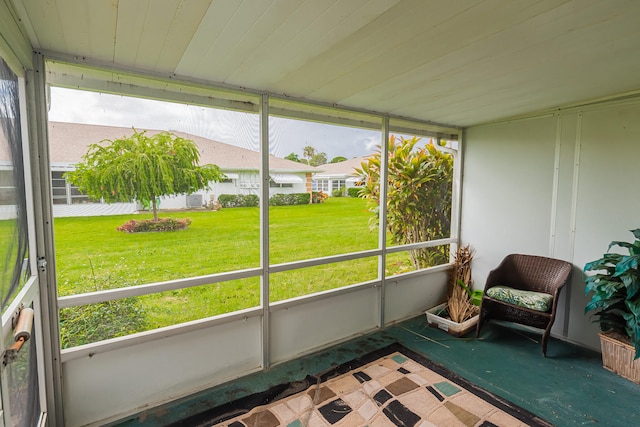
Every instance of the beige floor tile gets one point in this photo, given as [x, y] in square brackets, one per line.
[376, 370]
[472, 403]
[344, 384]
[503, 419]
[284, 414]
[299, 403]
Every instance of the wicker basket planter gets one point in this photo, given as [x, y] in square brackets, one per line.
[447, 325]
[617, 356]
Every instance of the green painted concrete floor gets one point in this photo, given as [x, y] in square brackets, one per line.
[568, 388]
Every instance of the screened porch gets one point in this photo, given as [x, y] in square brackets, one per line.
[535, 106]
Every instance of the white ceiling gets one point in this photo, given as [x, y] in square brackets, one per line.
[457, 62]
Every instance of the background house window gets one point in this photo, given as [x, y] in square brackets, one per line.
[321, 185]
[59, 187]
[64, 193]
[337, 184]
[274, 184]
[7, 188]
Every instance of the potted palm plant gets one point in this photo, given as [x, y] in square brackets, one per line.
[459, 314]
[613, 282]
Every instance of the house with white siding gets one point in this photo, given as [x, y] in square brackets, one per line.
[335, 176]
[70, 141]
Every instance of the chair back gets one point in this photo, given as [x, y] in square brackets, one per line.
[530, 273]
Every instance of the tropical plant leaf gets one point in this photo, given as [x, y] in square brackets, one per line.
[607, 262]
[627, 263]
[612, 322]
[632, 284]
[621, 244]
[615, 290]
[632, 318]
[476, 297]
[603, 304]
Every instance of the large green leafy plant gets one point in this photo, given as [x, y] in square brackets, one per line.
[419, 196]
[615, 290]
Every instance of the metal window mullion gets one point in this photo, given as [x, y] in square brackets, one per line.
[152, 288]
[456, 195]
[264, 228]
[382, 222]
[420, 245]
[312, 262]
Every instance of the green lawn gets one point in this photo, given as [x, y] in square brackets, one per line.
[91, 255]
[8, 255]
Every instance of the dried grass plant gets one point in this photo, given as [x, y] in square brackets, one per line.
[459, 302]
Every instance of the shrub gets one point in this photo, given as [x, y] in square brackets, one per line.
[96, 322]
[238, 200]
[162, 224]
[353, 192]
[227, 200]
[250, 200]
[419, 196]
[318, 197]
[281, 199]
[338, 193]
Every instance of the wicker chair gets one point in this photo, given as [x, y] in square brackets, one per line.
[529, 273]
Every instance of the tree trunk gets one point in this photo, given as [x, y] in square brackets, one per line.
[155, 209]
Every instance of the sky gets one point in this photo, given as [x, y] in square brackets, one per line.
[241, 129]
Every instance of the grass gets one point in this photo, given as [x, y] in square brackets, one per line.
[91, 255]
[8, 255]
[9, 235]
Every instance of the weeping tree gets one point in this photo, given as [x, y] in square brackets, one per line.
[419, 196]
[142, 167]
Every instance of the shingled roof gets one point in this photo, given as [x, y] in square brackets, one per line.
[346, 168]
[69, 141]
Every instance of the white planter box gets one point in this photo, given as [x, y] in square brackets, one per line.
[453, 328]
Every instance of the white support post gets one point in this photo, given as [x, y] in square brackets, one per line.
[382, 219]
[264, 228]
[456, 199]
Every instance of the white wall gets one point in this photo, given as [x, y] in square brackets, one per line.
[300, 329]
[105, 385]
[562, 185]
[405, 296]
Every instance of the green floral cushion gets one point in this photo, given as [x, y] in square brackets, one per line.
[534, 300]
